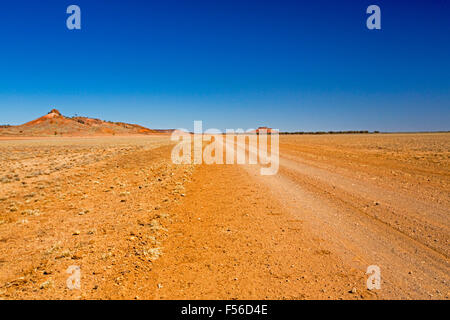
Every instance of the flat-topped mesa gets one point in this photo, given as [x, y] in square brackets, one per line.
[55, 111]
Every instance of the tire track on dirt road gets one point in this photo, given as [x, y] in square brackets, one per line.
[425, 222]
[410, 269]
[232, 239]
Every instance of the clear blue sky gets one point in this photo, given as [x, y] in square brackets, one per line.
[292, 65]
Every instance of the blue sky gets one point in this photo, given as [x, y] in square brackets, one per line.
[292, 65]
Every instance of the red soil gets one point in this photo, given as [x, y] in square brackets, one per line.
[55, 124]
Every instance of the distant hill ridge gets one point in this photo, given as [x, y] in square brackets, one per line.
[55, 124]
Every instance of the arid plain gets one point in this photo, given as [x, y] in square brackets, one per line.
[141, 227]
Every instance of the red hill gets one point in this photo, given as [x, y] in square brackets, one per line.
[54, 123]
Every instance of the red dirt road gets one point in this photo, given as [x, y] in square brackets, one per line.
[141, 227]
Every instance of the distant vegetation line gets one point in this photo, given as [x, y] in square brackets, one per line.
[358, 132]
[330, 132]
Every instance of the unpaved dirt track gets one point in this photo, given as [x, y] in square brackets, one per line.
[369, 216]
[141, 227]
[236, 241]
